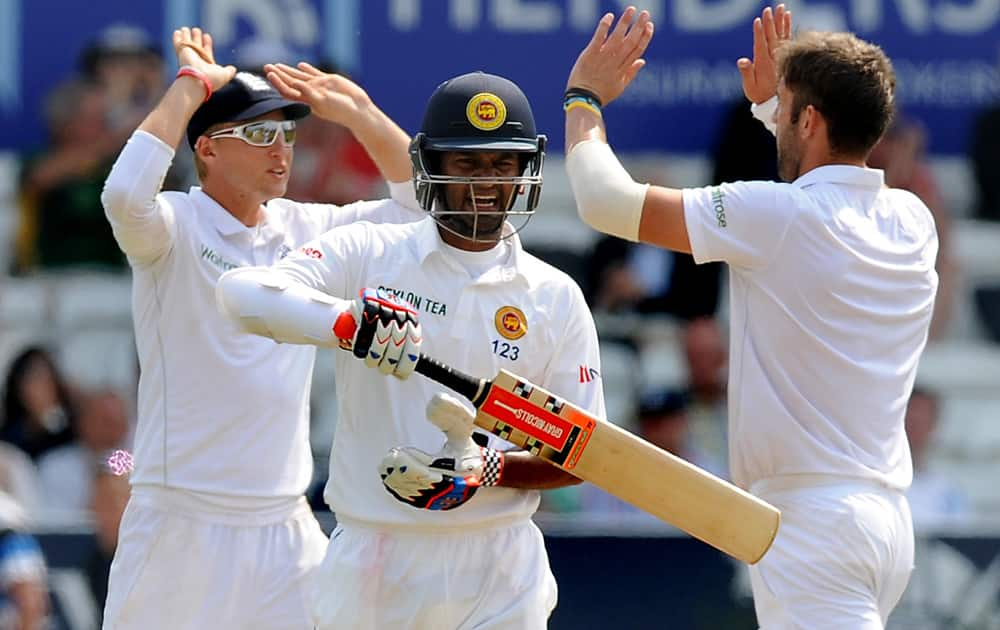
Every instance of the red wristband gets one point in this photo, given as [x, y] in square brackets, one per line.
[188, 71]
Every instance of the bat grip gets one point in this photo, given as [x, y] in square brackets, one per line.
[472, 388]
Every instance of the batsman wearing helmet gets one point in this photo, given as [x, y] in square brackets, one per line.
[434, 521]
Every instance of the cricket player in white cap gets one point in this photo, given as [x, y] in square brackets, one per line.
[832, 289]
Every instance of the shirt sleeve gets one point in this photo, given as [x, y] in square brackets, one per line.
[742, 223]
[379, 211]
[142, 224]
[574, 370]
[331, 263]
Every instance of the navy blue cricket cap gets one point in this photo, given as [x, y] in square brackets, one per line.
[247, 96]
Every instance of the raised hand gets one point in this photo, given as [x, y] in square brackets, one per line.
[609, 62]
[193, 47]
[760, 75]
[330, 96]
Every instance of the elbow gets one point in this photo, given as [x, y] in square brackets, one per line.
[607, 198]
[114, 198]
[234, 293]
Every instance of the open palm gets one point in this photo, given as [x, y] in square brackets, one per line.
[760, 75]
[332, 97]
[612, 58]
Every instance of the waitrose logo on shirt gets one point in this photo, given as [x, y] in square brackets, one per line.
[719, 206]
[209, 254]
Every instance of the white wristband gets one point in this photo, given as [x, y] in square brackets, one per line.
[607, 198]
[764, 112]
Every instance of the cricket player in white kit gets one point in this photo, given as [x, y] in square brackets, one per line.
[832, 288]
[217, 533]
[443, 540]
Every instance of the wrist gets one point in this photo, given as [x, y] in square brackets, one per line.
[581, 98]
[493, 463]
[197, 76]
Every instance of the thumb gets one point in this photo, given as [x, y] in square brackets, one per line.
[230, 73]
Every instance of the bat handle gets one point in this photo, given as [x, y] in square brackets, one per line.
[469, 386]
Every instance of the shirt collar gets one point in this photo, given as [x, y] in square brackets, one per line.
[842, 174]
[429, 243]
[224, 222]
[228, 225]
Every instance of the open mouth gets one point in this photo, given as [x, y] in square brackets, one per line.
[489, 203]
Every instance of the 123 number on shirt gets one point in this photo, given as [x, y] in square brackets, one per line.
[505, 350]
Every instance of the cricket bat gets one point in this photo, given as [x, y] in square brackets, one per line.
[668, 487]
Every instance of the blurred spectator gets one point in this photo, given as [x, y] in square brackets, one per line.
[634, 277]
[110, 496]
[933, 498]
[125, 62]
[706, 355]
[663, 421]
[129, 68]
[24, 598]
[20, 487]
[331, 166]
[901, 154]
[62, 221]
[625, 276]
[985, 155]
[744, 150]
[67, 472]
[38, 404]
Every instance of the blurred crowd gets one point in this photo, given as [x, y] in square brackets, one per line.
[56, 435]
[89, 116]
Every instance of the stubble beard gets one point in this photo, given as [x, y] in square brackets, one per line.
[789, 159]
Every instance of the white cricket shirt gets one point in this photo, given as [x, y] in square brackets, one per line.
[518, 313]
[220, 411]
[832, 285]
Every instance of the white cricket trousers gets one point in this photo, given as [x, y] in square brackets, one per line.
[378, 579]
[185, 565]
[842, 557]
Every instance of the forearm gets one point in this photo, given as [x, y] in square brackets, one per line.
[386, 143]
[169, 119]
[264, 302]
[607, 198]
[581, 125]
[31, 603]
[527, 472]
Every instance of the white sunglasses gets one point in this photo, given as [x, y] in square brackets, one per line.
[261, 133]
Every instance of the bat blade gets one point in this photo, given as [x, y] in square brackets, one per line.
[660, 483]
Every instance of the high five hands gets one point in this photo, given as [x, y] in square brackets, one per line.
[612, 58]
[760, 75]
[330, 96]
[193, 47]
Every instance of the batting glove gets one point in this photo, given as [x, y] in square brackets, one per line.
[451, 477]
[383, 330]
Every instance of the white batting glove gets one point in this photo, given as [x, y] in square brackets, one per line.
[449, 478]
[383, 330]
